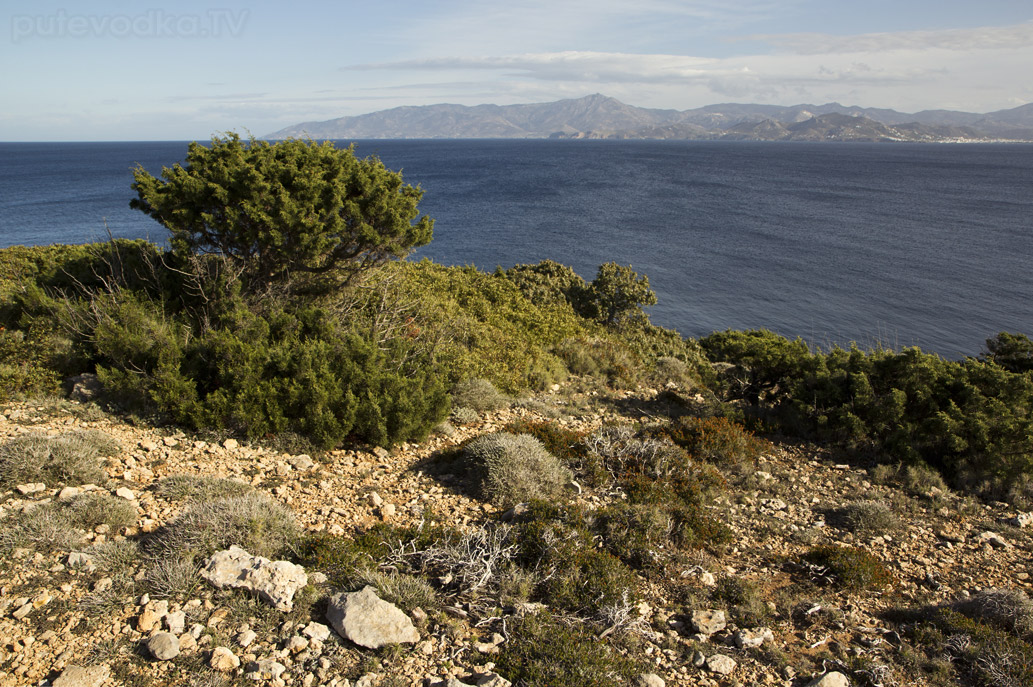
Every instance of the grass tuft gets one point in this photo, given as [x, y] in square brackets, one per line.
[71, 459]
[516, 468]
[251, 521]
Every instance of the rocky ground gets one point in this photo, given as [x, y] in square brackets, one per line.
[63, 621]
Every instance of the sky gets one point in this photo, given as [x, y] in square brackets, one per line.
[94, 71]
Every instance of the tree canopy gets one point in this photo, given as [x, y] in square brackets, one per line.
[286, 210]
[618, 292]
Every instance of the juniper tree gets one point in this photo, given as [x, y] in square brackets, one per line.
[287, 211]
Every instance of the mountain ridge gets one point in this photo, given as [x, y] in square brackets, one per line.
[598, 116]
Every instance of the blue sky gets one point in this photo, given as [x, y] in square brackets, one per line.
[163, 71]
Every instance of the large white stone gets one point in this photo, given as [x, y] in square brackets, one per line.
[223, 660]
[721, 664]
[830, 680]
[748, 639]
[709, 621]
[83, 676]
[369, 621]
[164, 646]
[274, 581]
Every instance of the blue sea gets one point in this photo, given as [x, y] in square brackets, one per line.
[891, 244]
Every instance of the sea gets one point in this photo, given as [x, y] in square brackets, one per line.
[887, 244]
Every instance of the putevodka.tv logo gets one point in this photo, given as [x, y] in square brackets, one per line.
[215, 23]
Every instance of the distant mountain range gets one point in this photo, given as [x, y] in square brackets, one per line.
[598, 116]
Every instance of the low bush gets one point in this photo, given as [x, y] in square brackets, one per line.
[670, 370]
[172, 577]
[918, 478]
[743, 598]
[474, 562]
[848, 567]
[559, 544]
[28, 365]
[251, 521]
[115, 556]
[274, 373]
[342, 558]
[595, 357]
[62, 525]
[405, 591]
[464, 416]
[626, 453]
[975, 652]
[869, 518]
[72, 458]
[970, 420]
[485, 326]
[478, 394]
[515, 468]
[566, 444]
[544, 651]
[643, 536]
[1008, 609]
[717, 440]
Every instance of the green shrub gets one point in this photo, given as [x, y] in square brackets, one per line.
[548, 282]
[485, 326]
[72, 458]
[516, 468]
[285, 372]
[717, 440]
[616, 296]
[565, 444]
[478, 394]
[743, 598]
[762, 363]
[649, 536]
[870, 518]
[341, 559]
[251, 521]
[27, 365]
[921, 479]
[638, 534]
[116, 556]
[970, 420]
[405, 591]
[594, 357]
[1013, 352]
[558, 542]
[848, 567]
[544, 651]
[671, 370]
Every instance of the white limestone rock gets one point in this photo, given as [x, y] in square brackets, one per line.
[274, 581]
[369, 621]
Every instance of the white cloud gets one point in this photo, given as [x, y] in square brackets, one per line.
[569, 66]
[979, 38]
[977, 69]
